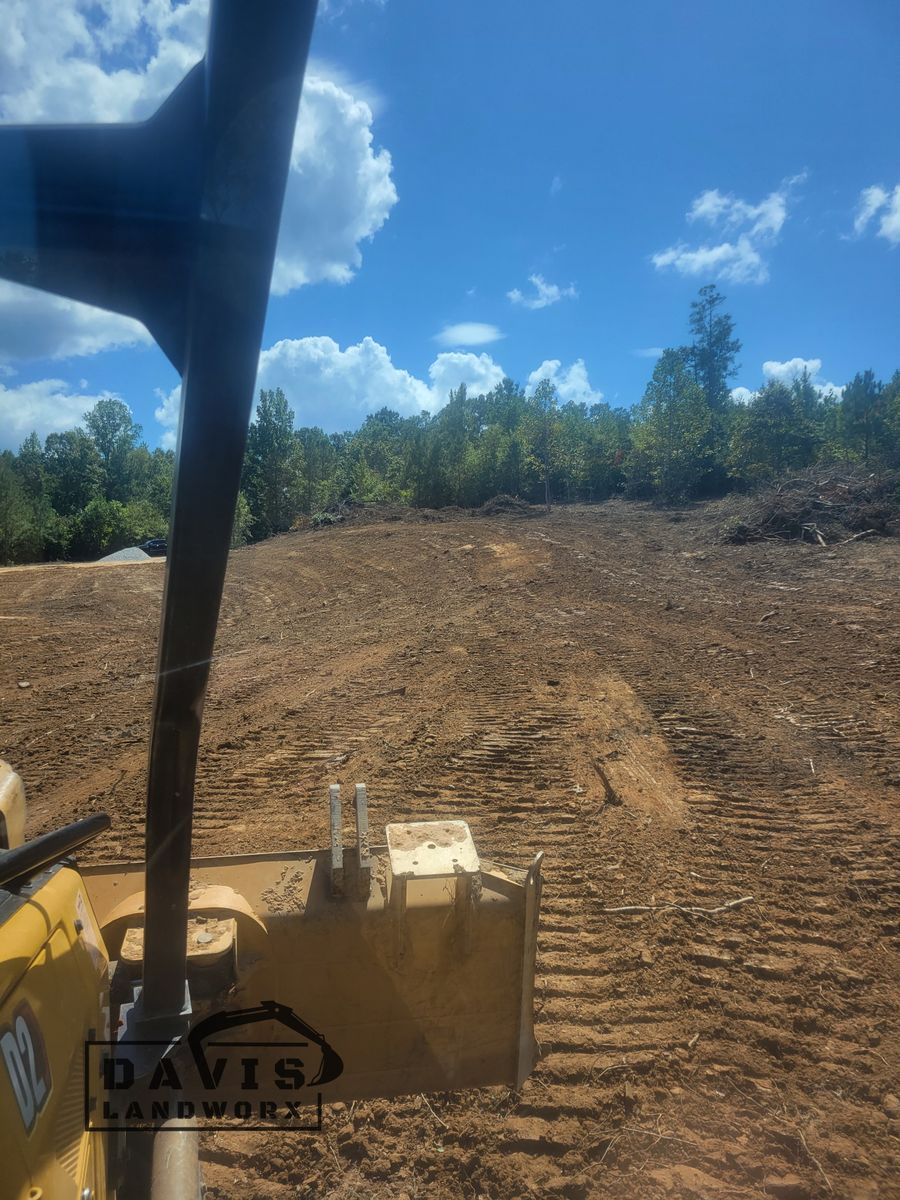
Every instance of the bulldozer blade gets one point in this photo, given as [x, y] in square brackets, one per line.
[415, 975]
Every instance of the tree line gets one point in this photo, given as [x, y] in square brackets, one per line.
[90, 490]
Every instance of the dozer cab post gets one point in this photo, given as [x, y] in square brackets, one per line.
[141, 1002]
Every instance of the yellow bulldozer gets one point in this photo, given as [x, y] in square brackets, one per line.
[142, 1003]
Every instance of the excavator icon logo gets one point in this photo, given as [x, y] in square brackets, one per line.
[330, 1064]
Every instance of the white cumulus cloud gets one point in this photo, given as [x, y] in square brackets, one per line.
[572, 383]
[746, 231]
[791, 368]
[468, 333]
[742, 395]
[788, 371]
[339, 191]
[52, 58]
[734, 262]
[44, 406]
[55, 66]
[36, 325]
[337, 388]
[878, 202]
[544, 293]
[167, 413]
[760, 220]
[478, 372]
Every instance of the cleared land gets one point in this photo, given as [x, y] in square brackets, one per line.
[672, 721]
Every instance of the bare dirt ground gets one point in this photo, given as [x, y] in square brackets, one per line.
[672, 721]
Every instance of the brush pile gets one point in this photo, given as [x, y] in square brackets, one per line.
[503, 506]
[821, 505]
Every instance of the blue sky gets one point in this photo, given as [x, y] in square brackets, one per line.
[498, 187]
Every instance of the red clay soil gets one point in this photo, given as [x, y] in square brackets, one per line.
[675, 722]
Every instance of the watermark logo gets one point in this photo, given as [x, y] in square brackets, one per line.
[270, 1081]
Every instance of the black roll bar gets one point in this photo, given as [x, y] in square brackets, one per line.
[174, 221]
[24, 861]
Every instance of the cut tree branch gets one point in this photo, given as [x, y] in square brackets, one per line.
[688, 909]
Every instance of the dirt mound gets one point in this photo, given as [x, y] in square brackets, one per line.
[815, 506]
[504, 506]
[375, 513]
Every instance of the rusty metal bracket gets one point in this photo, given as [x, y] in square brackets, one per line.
[363, 854]
[337, 840]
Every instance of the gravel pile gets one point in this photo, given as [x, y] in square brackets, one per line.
[130, 554]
